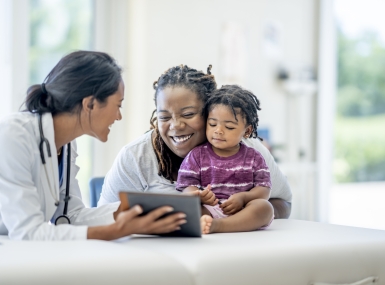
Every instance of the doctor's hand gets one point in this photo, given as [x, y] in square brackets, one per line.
[129, 222]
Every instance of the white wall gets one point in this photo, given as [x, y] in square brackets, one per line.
[111, 33]
[5, 56]
[172, 32]
[14, 33]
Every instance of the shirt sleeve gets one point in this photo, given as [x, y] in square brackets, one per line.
[125, 174]
[280, 188]
[261, 171]
[189, 173]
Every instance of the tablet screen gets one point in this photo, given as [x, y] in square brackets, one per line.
[190, 205]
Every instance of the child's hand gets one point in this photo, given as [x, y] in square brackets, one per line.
[208, 197]
[233, 205]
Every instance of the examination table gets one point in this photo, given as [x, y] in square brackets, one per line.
[290, 252]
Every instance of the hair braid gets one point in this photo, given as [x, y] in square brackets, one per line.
[178, 76]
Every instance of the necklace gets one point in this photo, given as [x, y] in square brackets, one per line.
[59, 151]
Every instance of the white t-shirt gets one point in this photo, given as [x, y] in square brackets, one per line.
[136, 169]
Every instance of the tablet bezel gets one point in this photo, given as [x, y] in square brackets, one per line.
[188, 204]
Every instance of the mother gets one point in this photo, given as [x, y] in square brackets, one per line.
[151, 163]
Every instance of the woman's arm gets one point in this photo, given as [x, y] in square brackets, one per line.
[280, 188]
[282, 208]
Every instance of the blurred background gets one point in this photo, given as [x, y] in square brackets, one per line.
[317, 66]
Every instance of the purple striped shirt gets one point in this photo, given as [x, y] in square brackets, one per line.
[227, 175]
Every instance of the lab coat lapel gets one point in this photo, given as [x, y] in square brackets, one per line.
[50, 178]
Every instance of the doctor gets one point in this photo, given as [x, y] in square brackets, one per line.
[38, 189]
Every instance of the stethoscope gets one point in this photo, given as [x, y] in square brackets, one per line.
[62, 219]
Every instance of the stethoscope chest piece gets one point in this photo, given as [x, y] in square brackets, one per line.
[62, 220]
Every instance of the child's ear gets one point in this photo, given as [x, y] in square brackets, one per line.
[248, 131]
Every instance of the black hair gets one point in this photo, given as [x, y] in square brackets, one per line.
[76, 76]
[179, 76]
[240, 101]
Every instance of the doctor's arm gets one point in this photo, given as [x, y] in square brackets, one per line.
[107, 222]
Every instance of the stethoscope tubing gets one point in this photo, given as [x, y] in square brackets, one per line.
[67, 197]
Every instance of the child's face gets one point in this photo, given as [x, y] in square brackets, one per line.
[224, 132]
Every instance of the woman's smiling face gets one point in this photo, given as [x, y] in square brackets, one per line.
[180, 121]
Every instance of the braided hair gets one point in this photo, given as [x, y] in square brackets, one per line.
[179, 76]
[236, 98]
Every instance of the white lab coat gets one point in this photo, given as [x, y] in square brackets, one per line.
[27, 203]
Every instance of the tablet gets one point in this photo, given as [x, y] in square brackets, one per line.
[188, 204]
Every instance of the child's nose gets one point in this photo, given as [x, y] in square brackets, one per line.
[218, 130]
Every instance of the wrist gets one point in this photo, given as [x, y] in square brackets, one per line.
[118, 230]
[109, 232]
[243, 197]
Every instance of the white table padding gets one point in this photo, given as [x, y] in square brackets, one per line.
[86, 262]
[289, 252]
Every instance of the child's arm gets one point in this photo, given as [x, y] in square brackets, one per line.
[237, 201]
[206, 195]
[258, 192]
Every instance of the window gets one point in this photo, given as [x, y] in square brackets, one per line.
[58, 27]
[359, 153]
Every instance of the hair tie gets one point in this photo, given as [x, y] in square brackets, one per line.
[43, 88]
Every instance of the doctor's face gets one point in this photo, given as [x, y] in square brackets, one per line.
[103, 115]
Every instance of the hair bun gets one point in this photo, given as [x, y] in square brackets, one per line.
[43, 88]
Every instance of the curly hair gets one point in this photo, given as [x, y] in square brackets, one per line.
[239, 101]
[179, 76]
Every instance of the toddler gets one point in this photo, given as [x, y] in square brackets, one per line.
[232, 179]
